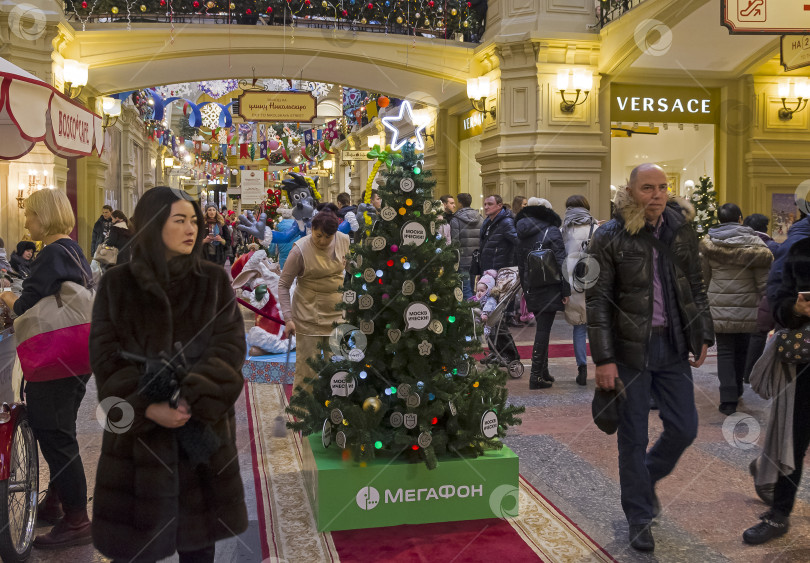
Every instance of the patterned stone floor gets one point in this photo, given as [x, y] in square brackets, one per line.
[708, 501]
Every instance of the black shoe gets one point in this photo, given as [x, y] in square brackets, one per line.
[548, 377]
[538, 383]
[771, 526]
[728, 408]
[641, 537]
[582, 375]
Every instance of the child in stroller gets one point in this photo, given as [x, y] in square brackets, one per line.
[495, 290]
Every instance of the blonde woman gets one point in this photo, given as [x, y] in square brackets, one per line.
[54, 404]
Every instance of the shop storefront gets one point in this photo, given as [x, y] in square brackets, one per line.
[470, 127]
[675, 127]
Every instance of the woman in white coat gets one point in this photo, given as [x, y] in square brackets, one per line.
[577, 229]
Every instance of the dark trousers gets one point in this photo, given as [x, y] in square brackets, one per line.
[732, 353]
[669, 378]
[204, 555]
[784, 493]
[52, 408]
[542, 334]
[756, 345]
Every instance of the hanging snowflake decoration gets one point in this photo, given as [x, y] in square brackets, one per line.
[210, 115]
[218, 88]
[184, 90]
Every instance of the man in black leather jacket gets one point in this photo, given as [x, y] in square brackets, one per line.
[646, 312]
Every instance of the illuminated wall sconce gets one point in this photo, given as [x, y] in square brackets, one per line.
[75, 76]
[111, 108]
[477, 92]
[372, 140]
[799, 89]
[168, 162]
[581, 82]
[328, 164]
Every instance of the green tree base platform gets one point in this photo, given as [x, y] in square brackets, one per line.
[392, 491]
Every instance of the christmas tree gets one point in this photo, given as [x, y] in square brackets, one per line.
[705, 202]
[403, 379]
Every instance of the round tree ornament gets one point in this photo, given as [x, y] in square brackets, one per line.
[489, 424]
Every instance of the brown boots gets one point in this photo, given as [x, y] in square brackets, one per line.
[49, 511]
[70, 528]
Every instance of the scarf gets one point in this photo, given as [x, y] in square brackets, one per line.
[576, 216]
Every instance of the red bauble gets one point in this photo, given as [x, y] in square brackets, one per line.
[345, 13]
[307, 2]
[84, 5]
[469, 4]
[248, 11]
[370, 6]
[269, 9]
[162, 2]
[383, 102]
[430, 3]
[196, 4]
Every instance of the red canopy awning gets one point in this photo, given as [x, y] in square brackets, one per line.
[32, 110]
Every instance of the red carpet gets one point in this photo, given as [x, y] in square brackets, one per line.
[471, 541]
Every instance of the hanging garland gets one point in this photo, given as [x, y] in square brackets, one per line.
[443, 18]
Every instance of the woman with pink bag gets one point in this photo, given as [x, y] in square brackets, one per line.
[53, 403]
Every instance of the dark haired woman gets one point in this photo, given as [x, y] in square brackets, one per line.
[317, 261]
[121, 236]
[215, 243]
[157, 490]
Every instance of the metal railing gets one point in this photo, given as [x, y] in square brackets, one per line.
[610, 10]
[468, 35]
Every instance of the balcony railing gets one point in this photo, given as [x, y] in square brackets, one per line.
[610, 10]
[462, 23]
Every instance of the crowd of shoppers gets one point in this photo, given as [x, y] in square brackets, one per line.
[648, 295]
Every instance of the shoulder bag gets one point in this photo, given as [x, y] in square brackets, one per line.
[53, 336]
[542, 268]
[793, 345]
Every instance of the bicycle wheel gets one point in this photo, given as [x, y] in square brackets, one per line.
[18, 496]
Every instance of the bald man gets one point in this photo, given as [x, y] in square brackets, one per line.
[647, 311]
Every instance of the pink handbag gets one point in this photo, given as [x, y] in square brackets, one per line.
[53, 336]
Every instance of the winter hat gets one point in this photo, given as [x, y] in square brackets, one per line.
[539, 201]
[488, 279]
[24, 245]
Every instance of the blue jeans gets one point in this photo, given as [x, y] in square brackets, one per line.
[669, 377]
[466, 285]
[581, 344]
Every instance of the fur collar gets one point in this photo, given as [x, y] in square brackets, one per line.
[631, 215]
[753, 256]
[541, 213]
[147, 280]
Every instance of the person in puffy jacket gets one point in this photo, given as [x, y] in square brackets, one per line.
[646, 312]
[791, 309]
[498, 238]
[578, 227]
[20, 259]
[537, 224]
[735, 268]
[465, 228]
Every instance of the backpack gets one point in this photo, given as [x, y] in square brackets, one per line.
[541, 268]
[582, 274]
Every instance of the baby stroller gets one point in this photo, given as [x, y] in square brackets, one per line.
[498, 337]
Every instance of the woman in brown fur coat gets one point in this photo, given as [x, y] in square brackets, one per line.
[168, 478]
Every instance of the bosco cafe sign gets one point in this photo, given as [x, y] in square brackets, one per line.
[664, 104]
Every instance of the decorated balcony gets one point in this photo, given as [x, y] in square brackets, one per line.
[457, 20]
[610, 10]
